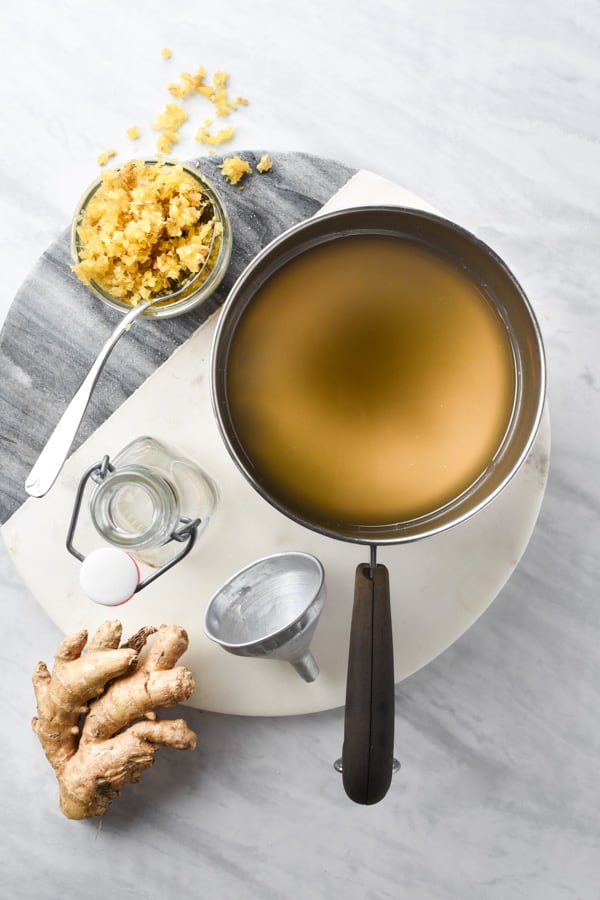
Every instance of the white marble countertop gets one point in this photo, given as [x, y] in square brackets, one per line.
[490, 112]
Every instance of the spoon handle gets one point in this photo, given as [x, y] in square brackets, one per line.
[52, 458]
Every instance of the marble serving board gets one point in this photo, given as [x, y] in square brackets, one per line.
[440, 586]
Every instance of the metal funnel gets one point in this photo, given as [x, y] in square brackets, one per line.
[270, 609]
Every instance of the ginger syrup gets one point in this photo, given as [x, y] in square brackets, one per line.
[370, 381]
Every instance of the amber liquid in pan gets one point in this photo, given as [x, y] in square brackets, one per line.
[370, 382]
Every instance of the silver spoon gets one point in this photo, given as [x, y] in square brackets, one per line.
[52, 458]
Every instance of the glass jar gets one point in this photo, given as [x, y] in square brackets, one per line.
[196, 289]
[148, 493]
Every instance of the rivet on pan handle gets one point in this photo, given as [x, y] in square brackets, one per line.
[367, 754]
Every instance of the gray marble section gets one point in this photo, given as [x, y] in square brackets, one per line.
[56, 326]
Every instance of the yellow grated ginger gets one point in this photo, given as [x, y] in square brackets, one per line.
[234, 169]
[203, 136]
[264, 164]
[189, 83]
[165, 142]
[223, 105]
[144, 232]
[169, 122]
[220, 79]
[172, 118]
[103, 158]
[215, 92]
[178, 90]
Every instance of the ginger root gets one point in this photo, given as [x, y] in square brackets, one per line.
[96, 716]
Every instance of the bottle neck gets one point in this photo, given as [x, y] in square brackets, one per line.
[135, 508]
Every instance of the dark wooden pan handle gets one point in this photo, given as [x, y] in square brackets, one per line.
[367, 754]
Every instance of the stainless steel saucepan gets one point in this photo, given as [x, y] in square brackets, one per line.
[367, 755]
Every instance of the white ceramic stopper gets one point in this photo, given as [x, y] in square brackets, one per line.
[109, 576]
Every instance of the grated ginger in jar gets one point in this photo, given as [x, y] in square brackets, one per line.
[146, 231]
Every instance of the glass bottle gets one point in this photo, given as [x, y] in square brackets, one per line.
[149, 491]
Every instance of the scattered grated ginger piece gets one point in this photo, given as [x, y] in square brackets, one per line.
[133, 133]
[203, 136]
[264, 164]
[103, 158]
[172, 118]
[190, 83]
[166, 53]
[220, 79]
[178, 90]
[165, 142]
[215, 92]
[169, 122]
[234, 169]
[223, 104]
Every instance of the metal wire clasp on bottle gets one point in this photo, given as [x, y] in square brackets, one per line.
[184, 532]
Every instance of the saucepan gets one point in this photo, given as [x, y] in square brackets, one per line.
[378, 376]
